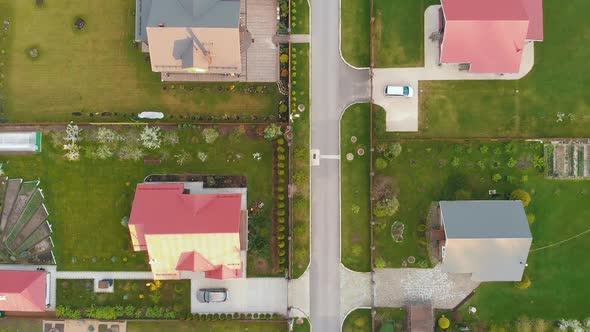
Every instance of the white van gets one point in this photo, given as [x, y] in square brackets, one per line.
[399, 91]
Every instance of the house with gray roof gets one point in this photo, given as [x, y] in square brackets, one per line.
[190, 36]
[488, 239]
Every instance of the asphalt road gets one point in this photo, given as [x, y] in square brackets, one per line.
[334, 85]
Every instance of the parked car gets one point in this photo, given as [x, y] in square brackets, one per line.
[399, 91]
[211, 295]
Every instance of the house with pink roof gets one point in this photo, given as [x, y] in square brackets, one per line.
[184, 227]
[23, 291]
[489, 35]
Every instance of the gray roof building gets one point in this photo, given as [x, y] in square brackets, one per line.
[184, 14]
[489, 239]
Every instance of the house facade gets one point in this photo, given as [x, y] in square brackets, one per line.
[489, 35]
[186, 227]
[488, 239]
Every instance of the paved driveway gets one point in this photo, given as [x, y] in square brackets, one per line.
[249, 295]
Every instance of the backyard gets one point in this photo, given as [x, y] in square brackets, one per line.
[172, 295]
[425, 172]
[356, 210]
[467, 170]
[87, 200]
[100, 70]
[548, 102]
[300, 161]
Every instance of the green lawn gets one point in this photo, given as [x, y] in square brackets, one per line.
[356, 32]
[300, 16]
[356, 214]
[426, 172]
[358, 320]
[173, 294]
[399, 32]
[304, 327]
[397, 316]
[225, 326]
[496, 109]
[301, 159]
[86, 199]
[20, 325]
[99, 69]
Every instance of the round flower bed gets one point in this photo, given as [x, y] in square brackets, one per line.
[353, 139]
[397, 231]
[301, 108]
[360, 151]
[411, 259]
[349, 156]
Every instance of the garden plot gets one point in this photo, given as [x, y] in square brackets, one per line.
[89, 185]
[570, 159]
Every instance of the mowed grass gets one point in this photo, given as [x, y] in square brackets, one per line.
[223, 326]
[355, 32]
[399, 32]
[301, 205]
[20, 325]
[86, 199]
[99, 69]
[524, 108]
[300, 17]
[358, 320]
[355, 192]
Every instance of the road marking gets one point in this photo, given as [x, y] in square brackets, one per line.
[330, 156]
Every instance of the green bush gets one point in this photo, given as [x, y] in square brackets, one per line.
[281, 205]
[380, 163]
[443, 322]
[281, 212]
[282, 244]
[421, 228]
[496, 177]
[281, 197]
[281, 220]
[522, 196]
[280, 149]
[281, 228]
[281, 172]
[281, 157]
[272, 132]
[62, 311]
[210, 135]
[386, 207]
[281, 165]
[280, 141]
[392, 151]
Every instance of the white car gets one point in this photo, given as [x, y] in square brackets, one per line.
[399, 91]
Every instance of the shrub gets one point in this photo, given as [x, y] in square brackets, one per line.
[456, 162]
[483, 149]
[525, 283]
[280, 149]
[281, 205]
[443, 322]
[281, 157]
[210, 135]
[522, 196]
[281, 220]
[392, 151]
[281, 197]
[496, 177]
[421, 228]
[237, 134]
[281, 165]
[151, 137]
[380, 263]
[355, 209]
[284, 58]
[62, 311]
[281, 236]
[281, 172]
[386, 207]
[530, 218]
[272, 132]
[511, 163]
[281, 228]
[380, 163]
[281, 189]
[282, 252]
[282, 244]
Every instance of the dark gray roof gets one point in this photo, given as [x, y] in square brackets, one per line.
[485, 219]
[489, 239]
[185, 13]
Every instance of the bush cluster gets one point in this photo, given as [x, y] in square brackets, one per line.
[115, 312]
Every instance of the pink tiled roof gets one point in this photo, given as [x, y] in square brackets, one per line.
[223, 272]
[534, 10]
[490, 35]
[23, 291]
[186, 232]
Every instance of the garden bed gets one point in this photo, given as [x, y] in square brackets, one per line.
[209, 180]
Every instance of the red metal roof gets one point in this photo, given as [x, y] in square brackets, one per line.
[490, 35]
[165, 209]
[23, 290]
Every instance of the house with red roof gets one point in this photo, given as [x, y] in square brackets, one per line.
[185, 227]
[489, 35]
[23, 291]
